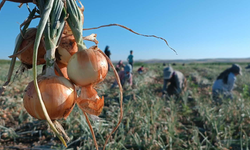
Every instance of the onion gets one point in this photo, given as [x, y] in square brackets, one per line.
[67, 31]
[26, 48]
[89, 101]
[87, 67]
[66, 48]
[58, 95]
[68, 45]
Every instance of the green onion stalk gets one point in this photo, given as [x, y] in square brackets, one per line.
[18, 44]
[75, 23]
[51, 24]
[53, 32]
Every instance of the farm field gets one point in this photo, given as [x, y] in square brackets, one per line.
[191, 121]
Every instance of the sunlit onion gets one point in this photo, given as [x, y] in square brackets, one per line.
[87, 67]
[58, 94]
[66, 49]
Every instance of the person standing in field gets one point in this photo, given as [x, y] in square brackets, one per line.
[131, 59]
[224, 84]
[108, 53]
[174, 81]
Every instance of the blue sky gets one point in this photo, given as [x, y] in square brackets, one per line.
[196, 29]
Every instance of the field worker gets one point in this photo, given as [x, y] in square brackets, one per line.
[248, 67]
[119, 66]
[175, 79]
[225, 82]
[140, 70]
[125, 76]
[108, 53]
[130, 59]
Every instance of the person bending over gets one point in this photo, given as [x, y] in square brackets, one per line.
[224, 84]
[174, 81]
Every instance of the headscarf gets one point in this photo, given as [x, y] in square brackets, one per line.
[235, 68]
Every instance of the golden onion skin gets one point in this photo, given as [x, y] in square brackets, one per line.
[89, 101]
[27, 56]
[103, 67]
[58, 95]
[66, 48]
[87, 67]
[67, 31]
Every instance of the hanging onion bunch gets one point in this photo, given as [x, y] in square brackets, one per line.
[55, 93]
[66, 49]
[59, 44]
[68, 45]
[25, 46]
[92, 66]
[86, 68]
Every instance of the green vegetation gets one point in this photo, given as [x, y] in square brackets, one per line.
[150, 122]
